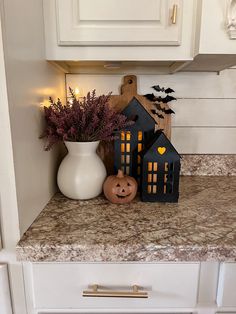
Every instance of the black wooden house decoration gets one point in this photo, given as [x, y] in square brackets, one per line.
[160, 171]
[132, 141]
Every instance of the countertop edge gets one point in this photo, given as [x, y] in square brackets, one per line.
[111, 254]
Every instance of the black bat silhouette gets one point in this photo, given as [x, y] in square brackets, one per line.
[169, 90]
[158, 106]
[158, 88]
[167, 99]
[162, 89]
[156, 113]
[151, 97]
[168, 111]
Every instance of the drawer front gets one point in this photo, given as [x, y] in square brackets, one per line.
[226, 295]
[168, 285]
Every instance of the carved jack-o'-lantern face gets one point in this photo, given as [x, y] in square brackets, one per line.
[120, 189]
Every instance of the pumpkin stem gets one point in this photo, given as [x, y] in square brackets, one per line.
[120, 174]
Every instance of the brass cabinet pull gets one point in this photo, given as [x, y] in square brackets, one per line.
[134, 293]
[174, 14]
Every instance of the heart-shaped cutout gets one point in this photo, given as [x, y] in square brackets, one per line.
[161, 150]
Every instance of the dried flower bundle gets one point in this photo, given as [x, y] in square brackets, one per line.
[86, 120]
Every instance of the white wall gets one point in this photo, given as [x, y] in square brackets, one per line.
[205, 119]
[27, 173]
[30, 80]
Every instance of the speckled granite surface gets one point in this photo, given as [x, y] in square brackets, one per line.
[201, 227]
[208, 165]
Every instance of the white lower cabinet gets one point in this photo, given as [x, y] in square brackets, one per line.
[173, 288]
[226, 296]
[5, 298]
[59, 286]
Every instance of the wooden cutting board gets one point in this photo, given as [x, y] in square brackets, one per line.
[119, 102]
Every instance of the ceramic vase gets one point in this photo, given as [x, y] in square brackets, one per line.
[81, 173]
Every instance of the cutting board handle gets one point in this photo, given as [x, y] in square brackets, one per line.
[129, 86]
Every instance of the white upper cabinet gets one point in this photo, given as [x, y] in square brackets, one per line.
[119, 23]
[124, 30]
[216, 33]
[172, 31]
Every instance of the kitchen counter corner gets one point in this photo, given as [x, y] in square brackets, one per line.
[201, 227]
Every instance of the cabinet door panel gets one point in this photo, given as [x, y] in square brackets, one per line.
[226, 295]
[5, 299]
[111, 22]
[122, 10]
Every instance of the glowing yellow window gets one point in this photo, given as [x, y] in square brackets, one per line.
[122, 159]
[122, 135]
[140, 136]
[155, 166]
[166, 166]
[165, 177]
[149, 189]
[154, 189]
[128, 147]
[122, 148]
[164, 189]
[128, 159]
[154, 177]
[149, 177]
[128, 136]
[140, 146]
[150, 166]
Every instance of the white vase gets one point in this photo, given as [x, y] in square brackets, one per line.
[82, 172]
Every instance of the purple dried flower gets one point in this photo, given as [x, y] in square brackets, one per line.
[86, 120]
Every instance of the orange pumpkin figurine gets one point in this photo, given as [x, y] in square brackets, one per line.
[120, 188]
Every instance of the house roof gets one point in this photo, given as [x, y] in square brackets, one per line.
[158, 135]
[143, 108]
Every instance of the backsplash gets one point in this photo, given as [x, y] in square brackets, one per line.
[204, 126]
[208, 165]
[205, 107]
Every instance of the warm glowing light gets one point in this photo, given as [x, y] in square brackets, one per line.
[122, 136]
[128, 136]
[128, 148]
[77, 91]
[155, 166]
[149, 166]
[149, 177]
[45, 103]
[71, 101]
[122, 148]
[154, 178]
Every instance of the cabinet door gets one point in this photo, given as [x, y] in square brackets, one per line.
[226, 295]
[217, 29]
[5, 301]
[123, 22]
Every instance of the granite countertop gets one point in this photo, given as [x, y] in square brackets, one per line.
[201, 227]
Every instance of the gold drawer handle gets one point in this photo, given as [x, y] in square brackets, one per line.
[174, 14]
[134, 293]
